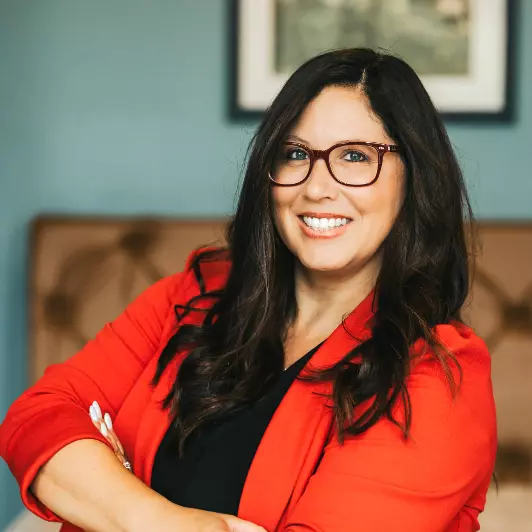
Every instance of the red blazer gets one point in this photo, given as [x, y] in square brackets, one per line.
[301, 479]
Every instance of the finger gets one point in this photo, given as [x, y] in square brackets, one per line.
[104, 425]
[108, 433]
[117, 445]
[100, 422]
[123, 460]
[93, 412]
[110, 436]
[245, 527]
[97, 409]
[109, 424]
[102, 429]
[239, 525]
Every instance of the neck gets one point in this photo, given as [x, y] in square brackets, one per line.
[324, 298]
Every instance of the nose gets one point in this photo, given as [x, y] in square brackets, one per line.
[320, 183]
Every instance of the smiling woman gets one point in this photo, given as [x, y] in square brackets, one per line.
[349, 181]
[316, 374]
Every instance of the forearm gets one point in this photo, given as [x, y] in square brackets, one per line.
[86, 485]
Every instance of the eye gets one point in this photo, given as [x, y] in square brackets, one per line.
[354, 156]
[296, 154]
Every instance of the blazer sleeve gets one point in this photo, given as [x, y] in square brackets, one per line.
[377, 482]
[54, 412]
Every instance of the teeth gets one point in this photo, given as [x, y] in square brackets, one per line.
[324, 224]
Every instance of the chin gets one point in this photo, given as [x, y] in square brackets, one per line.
[325, 262]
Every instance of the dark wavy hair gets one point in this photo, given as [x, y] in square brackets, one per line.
[237, 352]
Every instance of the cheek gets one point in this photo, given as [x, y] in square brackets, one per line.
[281, 202]
[378, 209]
[382, 200]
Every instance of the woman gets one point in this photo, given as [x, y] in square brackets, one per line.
[315, 376]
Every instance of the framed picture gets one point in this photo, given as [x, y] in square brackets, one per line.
[462, 49]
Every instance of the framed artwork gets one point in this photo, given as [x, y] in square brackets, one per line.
[463, 50]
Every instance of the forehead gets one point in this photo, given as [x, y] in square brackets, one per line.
[338, 114]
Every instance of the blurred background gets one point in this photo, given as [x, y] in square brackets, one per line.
[119, 108]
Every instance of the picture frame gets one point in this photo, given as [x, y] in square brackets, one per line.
[473, 78]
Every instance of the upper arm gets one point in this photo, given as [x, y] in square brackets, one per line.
[379, 482]
[54, 412]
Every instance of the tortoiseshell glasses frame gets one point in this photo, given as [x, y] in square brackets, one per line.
[315, 155]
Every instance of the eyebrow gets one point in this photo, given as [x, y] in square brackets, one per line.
[307, 143]
[296, 138]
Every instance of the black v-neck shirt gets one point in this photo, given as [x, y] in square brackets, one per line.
[215, 463]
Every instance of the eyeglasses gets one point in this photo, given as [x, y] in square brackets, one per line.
[354, 164]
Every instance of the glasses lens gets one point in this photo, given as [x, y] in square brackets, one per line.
[354, 164]
[291, 165]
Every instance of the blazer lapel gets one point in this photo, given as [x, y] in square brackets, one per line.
[294, 440]
[154, 421]
[153, 426]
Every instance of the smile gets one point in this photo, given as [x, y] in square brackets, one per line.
[324, 224]
[323, 227]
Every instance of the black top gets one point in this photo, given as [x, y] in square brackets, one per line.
[215, 463]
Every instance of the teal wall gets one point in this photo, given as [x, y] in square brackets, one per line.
[111, 106]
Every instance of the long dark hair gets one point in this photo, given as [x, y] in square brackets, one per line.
[238, 350]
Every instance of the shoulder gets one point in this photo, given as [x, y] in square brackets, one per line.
[446, 460]
[206, 270]
[451, 391]
[451, 443]
[452, 432]
[462, 357]
[462, 341]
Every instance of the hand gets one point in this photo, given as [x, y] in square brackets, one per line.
[163, 516]
[193, 520]
[105, 426]
[171, 517]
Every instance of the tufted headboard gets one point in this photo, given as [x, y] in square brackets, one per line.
[85, 270]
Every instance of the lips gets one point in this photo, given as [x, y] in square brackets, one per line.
[322, 227]
[318, 215]
[324, 224]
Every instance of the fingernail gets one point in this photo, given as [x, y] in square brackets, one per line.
[108, 422]
[97, 409]
[103, 429]
[92, 413]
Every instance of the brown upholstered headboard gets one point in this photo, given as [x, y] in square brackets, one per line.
[501, 313]
[85, 271]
